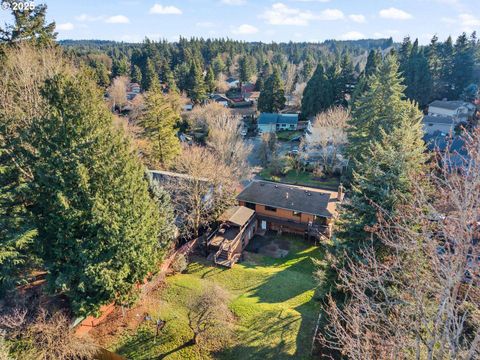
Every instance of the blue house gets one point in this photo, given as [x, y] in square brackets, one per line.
[268, 122]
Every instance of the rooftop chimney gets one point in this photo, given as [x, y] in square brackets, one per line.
[340, 193]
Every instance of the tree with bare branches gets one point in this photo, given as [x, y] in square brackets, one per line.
[44, 336]
[420, 297]
[210, 319]
[117, 92]
[205, 191]
[329, 137]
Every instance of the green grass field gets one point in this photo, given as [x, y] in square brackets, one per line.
[273, 300]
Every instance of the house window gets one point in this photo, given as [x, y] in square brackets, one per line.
[269, 208]
[292, 126]
[297, 213]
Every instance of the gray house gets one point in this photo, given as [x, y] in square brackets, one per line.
[439, 123]
[268, 122]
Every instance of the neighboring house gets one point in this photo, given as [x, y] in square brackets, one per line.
[438, 123]
[188, 107]
[247, 88]
[268, 122]
[221, 99]
[232, 82]
[252, 96]
[457, 109]
[133, 88]
[294, 209]
[230, 239]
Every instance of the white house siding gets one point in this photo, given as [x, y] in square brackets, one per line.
[265, 128]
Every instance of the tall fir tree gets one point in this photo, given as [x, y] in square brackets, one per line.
[245, 68]
[210, 80]
[463, 65]
[29, 25]
[136, 75]
[159, 121]
[318, 94]
[272, 97]
[196, 88]
[387, 152]
[150, 77]
[97, 224]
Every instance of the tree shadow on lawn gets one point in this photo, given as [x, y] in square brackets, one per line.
[141, 346]
[294, 339]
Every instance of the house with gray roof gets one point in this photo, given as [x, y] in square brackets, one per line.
[272, 122]
[291, 208]
[456, 109]
[440, 123]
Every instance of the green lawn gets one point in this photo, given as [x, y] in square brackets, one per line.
[287, 135]
[271, 298]
[304, 178]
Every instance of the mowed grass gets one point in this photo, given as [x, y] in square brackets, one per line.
[304, 178]
[273, 300]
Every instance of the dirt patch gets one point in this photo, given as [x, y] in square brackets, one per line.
[125, 320]
[269, 246]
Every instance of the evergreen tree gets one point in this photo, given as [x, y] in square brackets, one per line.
[196, 88]
[447, 68]
[245, 68]
[374, 59]
[17, 230]
[29, 25]
[210, 80]
[308, 67]
[435, 67]
[463, 64]
[159, 121]
[416, 73]
[386, 147]
[218, 66]
[136, 74]
[120, 67]
[150, 77]
[97, 224]
[272, 98]
[318, 94]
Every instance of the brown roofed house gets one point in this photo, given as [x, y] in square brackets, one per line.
[237, 228]
[289, 208]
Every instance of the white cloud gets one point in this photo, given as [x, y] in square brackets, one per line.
[205, 24]
[234, 2]
[394, 14]
[245, 29]
[165, 10]
[89, 18]
[65, 26]
[281, 14]
[320, 1]
[358, 18]
[465, 22]
[117, 19]
[352, 35]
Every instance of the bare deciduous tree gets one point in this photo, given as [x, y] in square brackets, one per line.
[289, 76]
[420, 298]
[117, 92]
[44, 336]
[224, 136]
[210, 319]
[329, 136]
[205, 191]
[297, 94]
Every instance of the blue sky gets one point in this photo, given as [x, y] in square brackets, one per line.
[261, 20]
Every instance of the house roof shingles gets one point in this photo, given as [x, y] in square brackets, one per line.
[438, 119]
[297, 198]
[238, 215]
[449, 105]
[269, 118]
